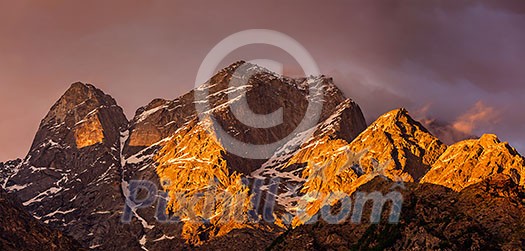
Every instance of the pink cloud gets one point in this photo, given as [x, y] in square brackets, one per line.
[479, 116]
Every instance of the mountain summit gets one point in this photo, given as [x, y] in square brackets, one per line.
[191, 153]
[71, 175]
[405, 147]
[471, 161]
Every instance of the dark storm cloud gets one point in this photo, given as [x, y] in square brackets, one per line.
[447, 56]
[452, 59]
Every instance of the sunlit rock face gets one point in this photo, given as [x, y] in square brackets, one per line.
[403, 147]
[395, 146]
[89, 132]
[471, 161]
[200, 185]
[403, 143]
[330, 168]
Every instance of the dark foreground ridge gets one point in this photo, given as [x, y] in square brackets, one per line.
[21, 231]
[489, 215]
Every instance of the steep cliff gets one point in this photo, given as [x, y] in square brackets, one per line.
[210, 199]
[70, 178]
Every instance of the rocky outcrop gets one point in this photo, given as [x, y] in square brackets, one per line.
[20, 231]
[489, 215]
[7, 169]
[471, 161]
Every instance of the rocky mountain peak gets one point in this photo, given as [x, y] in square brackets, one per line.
[73, 167]
[78, 100]
[488, 140]
[395, 146]
[399, 120]
[397, 114]
[471, 161]
[170, 132]
[403, 147]
[265, 92]
[84, 115]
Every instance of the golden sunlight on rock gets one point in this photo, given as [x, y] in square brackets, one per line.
[328, 170]
[471, 161]
[203, 193]
[404, 143]
[394, 146]
[331, 168]
[88, 132]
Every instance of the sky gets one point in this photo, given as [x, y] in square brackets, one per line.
[460, 62]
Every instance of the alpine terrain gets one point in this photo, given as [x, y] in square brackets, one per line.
[167, 179]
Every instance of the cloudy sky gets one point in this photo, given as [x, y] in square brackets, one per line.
[461, 62]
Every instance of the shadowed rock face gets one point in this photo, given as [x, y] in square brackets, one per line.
[489, 215]
[471, 161]
[20, 231]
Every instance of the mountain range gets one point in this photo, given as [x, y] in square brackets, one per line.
[77, 187]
